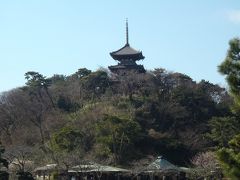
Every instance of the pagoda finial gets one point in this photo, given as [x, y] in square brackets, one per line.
[127, 32]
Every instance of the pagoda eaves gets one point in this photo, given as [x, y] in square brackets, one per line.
[127, 52]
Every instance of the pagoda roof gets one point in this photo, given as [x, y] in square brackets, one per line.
[127, 52]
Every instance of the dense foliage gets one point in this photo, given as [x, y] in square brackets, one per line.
[230, 154]
[103, 117]
[230, 158]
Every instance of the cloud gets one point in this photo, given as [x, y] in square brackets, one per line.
[234, 16]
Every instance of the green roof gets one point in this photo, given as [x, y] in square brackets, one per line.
[161, 164]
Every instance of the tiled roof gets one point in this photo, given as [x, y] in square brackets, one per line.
[127, 52]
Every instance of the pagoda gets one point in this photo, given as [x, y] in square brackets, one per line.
[127, 57]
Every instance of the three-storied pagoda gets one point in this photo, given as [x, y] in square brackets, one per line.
[127, 57]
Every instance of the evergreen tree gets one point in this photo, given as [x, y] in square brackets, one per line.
[117, 134]
[223, 129]
[231, 68]
[230, 157]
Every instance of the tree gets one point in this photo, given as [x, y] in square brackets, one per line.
[67, 147]
[200, 106]
[58, 79]
[82, 72]
[67, 139]
[117, 134]
[230, 158]
[223, 129]
[3, 164]
[65, 104]
[20, 158]
[20, 161]
[95, 83]
[36, 79]
[38, 103]
[205, 165]
[10, 114]
[134, 84]
[231, 68]
[36, 84]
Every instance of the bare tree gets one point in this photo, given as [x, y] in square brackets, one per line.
[205, 164]
[10, 113]
[134, 83]
[20, 158]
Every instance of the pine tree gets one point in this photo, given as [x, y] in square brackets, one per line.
[231, 68]
[230, 157]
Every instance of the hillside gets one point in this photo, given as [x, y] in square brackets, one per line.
[115, 120]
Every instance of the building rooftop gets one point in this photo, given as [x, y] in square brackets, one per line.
[127, 52]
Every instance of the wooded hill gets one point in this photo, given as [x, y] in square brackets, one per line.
[115, 120]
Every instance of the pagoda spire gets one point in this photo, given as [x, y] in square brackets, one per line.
[127, 43]
[127, 57]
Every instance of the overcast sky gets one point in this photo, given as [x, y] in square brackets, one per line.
[61, 36]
